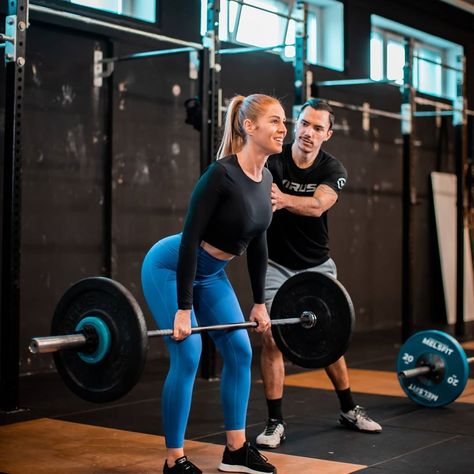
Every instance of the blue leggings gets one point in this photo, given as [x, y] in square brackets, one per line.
[214, 303]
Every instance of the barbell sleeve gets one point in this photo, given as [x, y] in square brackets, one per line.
[76, 341]
[410, 373]
[425, 369]
[56, 343]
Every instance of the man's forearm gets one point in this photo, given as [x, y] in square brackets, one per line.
[304, 205]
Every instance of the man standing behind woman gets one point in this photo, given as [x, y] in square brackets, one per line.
[185, 284]
[307, 184]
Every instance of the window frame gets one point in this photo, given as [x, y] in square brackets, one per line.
[231, 37]
[96, 13]
[280, 14]
[315, 13]
[387, 36]
[421, 45]
[421, 41]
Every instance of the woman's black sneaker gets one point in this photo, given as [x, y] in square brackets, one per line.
[246, 459]
[182, 466]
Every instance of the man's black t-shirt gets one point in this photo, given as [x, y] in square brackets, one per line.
[296, 241]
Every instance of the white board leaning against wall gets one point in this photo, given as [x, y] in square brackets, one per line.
[444, 196]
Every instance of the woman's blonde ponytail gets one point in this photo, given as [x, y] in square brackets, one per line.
[232, 138]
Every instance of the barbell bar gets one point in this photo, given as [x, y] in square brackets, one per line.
[433, 368]
[99, 337]
[426, 369]
[43, 345]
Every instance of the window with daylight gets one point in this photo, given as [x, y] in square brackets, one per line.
[435, 64]
[266, 23]
[144, 10]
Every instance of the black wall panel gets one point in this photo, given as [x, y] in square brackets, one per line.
[155, 161]
[65, 145]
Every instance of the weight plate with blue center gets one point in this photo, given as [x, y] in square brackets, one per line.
[328, 340]
[115, 370]
[438, 349]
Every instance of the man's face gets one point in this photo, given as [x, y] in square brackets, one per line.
[312, 129]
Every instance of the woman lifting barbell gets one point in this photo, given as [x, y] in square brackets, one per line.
[184, 282]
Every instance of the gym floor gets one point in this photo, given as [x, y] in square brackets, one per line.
[59, 433]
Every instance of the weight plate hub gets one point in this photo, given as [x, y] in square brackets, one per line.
[102, 339]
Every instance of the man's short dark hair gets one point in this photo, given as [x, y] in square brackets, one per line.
[319, 104]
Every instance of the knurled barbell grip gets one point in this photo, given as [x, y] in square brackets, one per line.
[223, 327]
[198, 329]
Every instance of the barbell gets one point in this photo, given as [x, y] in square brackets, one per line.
[100, 341]
[433, 368]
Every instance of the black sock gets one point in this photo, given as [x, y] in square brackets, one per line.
[274, 409]
[345, 399]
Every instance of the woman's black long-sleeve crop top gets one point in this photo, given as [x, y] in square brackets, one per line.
[231, 212]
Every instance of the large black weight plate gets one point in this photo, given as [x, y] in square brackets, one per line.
[328, 340]
[437, 348]
[121, 367]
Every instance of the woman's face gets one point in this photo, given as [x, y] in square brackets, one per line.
[269, 131]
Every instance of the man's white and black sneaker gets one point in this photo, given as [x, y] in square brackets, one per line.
[272, 435]
[357, 419]
[246, 459]
[182, 466]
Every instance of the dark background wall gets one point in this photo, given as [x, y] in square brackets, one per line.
[108, 170]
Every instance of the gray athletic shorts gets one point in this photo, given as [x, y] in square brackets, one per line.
[277, 275]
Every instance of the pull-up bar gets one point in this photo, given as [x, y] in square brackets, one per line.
[356, 82]
[263, 9]
[442, 105]
[365, 109]
[112, 26]
[447, 109]
[166, 52]
[443, 65]
[255, 49]
[148, 54]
